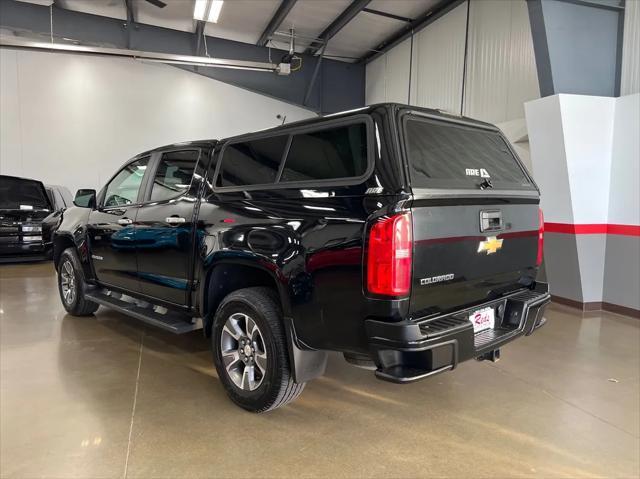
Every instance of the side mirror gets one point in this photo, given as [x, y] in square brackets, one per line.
[85, 198]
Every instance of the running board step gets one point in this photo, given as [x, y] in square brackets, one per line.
[168, 320]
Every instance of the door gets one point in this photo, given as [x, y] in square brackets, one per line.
[164, 227]
[112, 228]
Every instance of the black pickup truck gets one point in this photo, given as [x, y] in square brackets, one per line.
[29, 214]
[405, 238]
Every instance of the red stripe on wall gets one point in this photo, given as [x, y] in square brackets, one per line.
[592, 229]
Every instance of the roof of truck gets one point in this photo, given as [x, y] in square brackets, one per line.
[367, 110]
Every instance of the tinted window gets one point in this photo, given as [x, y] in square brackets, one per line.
[59, 203]
[447, 155]
[18, 193]
[66, 196]
[327, 154]
[174, 174]
[52, 197]
[123, 188]
[253, 162]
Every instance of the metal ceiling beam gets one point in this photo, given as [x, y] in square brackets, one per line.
[275, 22]
[199, 34]
[131, 20]
[387, 15]
[316, 70]
[189, 60]
[444, 7]
[131, 17]
[338, 24]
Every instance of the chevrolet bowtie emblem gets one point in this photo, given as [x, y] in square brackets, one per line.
[491, 245]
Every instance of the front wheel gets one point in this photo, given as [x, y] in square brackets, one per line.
[71, 285]
[250, 351]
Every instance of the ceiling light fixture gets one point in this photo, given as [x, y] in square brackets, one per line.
[207, 10]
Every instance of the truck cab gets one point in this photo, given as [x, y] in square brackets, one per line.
[407, 239]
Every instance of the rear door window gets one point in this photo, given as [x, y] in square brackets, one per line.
[174, 174]
[450, 155]
[327, 154]
[253, 162]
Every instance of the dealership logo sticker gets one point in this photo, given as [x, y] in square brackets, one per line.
[490, 245]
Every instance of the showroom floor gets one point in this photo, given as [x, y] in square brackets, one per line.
[109, 397]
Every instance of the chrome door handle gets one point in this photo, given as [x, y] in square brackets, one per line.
[124, 221]
[175, 220]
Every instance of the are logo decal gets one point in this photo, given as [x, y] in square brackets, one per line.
[481, 172]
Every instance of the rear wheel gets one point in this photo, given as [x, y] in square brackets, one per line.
[71, 285]
[250, 351]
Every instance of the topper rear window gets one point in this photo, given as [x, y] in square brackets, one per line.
[450, 155]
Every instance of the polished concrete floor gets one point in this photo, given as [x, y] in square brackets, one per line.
[110, 397]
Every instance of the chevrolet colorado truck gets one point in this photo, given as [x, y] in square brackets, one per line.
[405, 238]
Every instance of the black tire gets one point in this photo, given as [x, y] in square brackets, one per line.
[69, 266]
[277, 386]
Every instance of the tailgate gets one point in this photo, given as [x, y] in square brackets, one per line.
[456, 265]
[475, 214]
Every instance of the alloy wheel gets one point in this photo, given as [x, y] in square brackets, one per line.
[243, 351]
[68, 282]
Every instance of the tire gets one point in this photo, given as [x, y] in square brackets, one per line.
[71, 285]
[273, 385]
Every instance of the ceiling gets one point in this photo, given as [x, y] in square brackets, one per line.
[246, 20]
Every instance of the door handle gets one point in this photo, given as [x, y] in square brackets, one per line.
[125, 221]
[490, 220]
[175, 220]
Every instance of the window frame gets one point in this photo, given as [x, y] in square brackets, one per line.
[256, 137]
[433, 192]
[157, 158]
[290, 132]
[141, 190]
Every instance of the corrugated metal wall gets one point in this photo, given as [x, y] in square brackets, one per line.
[501, 72]
[387, 77]
[630, 81]
[437, 72]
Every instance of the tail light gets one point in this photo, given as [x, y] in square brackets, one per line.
[540, 238]
[389, 256]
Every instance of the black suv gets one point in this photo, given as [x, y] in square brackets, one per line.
[405, 238]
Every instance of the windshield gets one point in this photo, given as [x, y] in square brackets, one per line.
[21, 194]
[449, 155]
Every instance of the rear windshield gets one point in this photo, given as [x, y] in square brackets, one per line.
[20, 194]
[449, 155]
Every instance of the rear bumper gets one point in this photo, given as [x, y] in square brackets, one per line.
[410, 350]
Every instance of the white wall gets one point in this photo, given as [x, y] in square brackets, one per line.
[73, 119]
[585, 153]
[624, 202]
[501, 72]
[630, 81]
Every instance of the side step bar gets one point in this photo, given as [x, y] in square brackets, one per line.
[156, 316]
